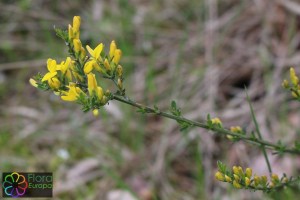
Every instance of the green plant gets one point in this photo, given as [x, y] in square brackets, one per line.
[76, 79]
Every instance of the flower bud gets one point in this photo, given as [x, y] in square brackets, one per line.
[293, 76]
[219, 176]
[107, 65]
[33, 82]
[120, 84]
[119, 71]
[95, 112]
[77, 46]
[117, 56]
[112, 48]
[285, 84]
[248, 172]
[247, 181]
[228, 179]
[236, 185]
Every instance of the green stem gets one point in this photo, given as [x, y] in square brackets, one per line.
[217, 130]
[259, 135]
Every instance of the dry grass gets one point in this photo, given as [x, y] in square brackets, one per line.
[200, 53]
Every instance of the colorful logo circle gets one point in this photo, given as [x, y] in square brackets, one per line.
[15, 185]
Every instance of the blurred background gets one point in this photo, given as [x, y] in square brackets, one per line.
[201, 53]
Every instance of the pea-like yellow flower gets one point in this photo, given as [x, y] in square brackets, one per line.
[285, 84]
[294, 77]
[236, 129]
[216, 121]
[248, 172]
[117, 56]
[96, 53]
[107, 65]
[92, 86]
[228, 179]
[54, 83]
[77, 46]
[72, 94]
[247, 181]
[275, 178]
[236, 185]
[95, 112]
[64, 67]
[51, 65]
[219, 176]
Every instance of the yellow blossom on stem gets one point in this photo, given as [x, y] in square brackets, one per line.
[248, 172]
[216, 121]
[51, 65]
[247, 181]
[54, 83]
[228, 179]
[219, 176]
[293, 76]
[107, 65]
[236, 185]
[72, 94]
[64, 67]
[77, 46]
[71, 34]
[92, 86]
[95, 112]
[112, 49]
[76, 26]
[96, 53]
[117, 56]
[285, 84]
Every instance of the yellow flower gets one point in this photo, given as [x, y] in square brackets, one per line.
[112, 49]
[236, 129]
[92, 86]
[54, 83]
[219, 176]
[293, 76]
[285, 84]
[117, 56]
[247, 181]
[275, 178]
[33, 82]
[228, 179]
[248, 172]
[95, 112]
[77, 46]
[72, 94]
[71, 34]
[64, 67]
[51, 65]
[216, 121]
[107, 65]
[76, 26]
[95, 54]
[236, 185]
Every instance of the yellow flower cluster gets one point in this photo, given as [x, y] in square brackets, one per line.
[293, 85]
[75, 79]
[244, 179]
